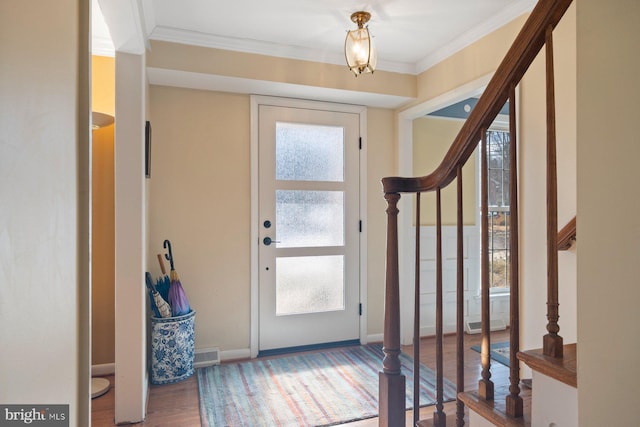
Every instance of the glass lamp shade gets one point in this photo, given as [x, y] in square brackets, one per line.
[360, 52]
[100, 120]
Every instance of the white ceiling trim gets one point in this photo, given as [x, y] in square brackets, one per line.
[475, 34]
[102, 46]
[125, 21]
[190, 80]
[149, 17]
[101, 43]
[265, 48]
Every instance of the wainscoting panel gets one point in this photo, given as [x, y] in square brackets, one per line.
[471, 254]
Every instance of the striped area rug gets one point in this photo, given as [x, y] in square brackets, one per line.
[312, 389]
[499, 351]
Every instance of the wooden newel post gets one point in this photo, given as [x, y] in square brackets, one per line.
[392, 382]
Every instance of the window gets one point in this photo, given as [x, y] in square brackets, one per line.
[498, 161]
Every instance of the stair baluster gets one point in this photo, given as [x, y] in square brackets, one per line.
[416, 321]
[459, 304]
[439, 417]
[485, 385]
[514, 404]
[552, 342]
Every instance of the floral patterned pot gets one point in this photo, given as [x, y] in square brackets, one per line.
[172, 348]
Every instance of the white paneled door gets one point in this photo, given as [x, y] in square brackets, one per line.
[309, 224]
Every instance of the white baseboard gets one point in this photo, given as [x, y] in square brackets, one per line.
[243, 353]
[474, 327]
[375, 338]
[104, 369]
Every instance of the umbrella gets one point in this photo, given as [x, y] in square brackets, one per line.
[177, 297]
[159, 306]
[163, 283]
[152, 302]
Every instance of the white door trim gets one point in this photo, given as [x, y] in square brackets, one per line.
[255, 101]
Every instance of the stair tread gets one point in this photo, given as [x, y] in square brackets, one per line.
[562, 369]
[495, 410]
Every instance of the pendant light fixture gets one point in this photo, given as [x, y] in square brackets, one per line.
[358, 47]
[100, 120]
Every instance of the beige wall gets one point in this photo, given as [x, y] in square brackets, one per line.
[469, 64]
[103, 84]
[608, 204]
[44, 188]
[102, 199]
[432, 138]
[200, 200]
[102, 248]
[195, 59]
[381, 154]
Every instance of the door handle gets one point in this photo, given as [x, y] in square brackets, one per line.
[267, 241]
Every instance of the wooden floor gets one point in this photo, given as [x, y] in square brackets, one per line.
[176, 405]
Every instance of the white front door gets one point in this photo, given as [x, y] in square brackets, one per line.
[308, 255]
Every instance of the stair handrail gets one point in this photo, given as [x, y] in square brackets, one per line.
[567, 235]
[519, 57]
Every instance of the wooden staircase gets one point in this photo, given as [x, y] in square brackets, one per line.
[495, 410]
[500, 405]
[561, 369]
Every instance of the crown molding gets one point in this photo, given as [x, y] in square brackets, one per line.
[148, 12]
[125, 22]
[474, 34]
[102, 46]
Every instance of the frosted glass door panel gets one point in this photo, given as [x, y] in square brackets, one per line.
[309, 218]
[309, 284]
[309, 153]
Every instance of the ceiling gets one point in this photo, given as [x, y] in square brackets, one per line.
[410, 35]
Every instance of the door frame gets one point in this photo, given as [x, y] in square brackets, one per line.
[255, 102]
